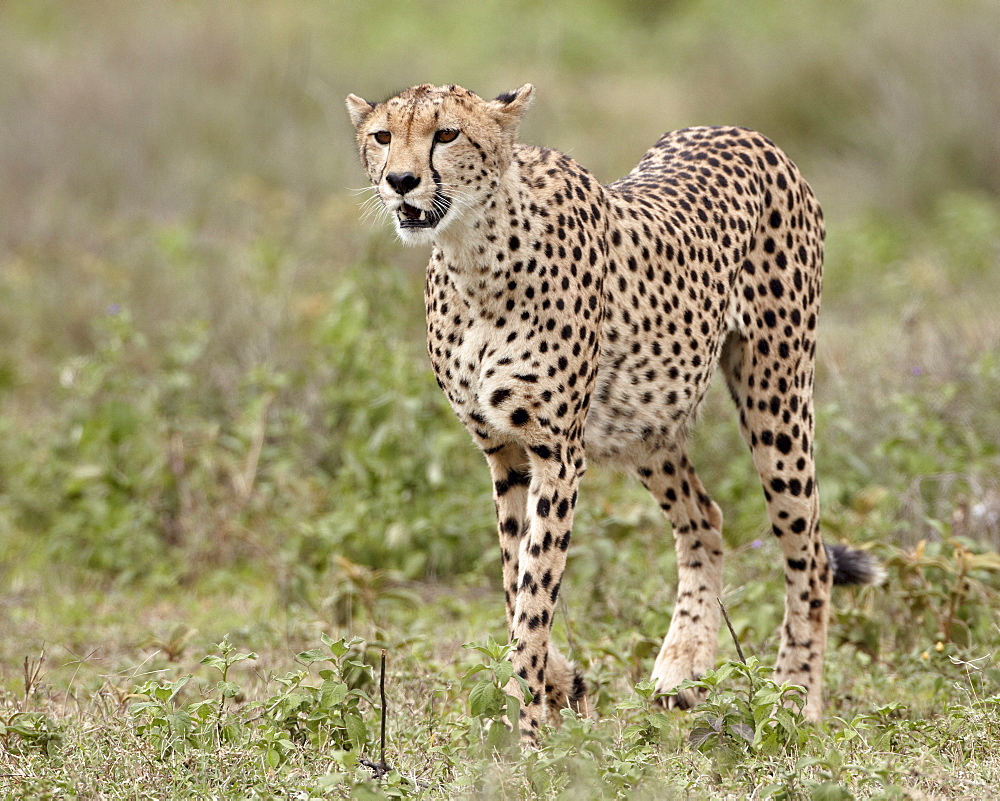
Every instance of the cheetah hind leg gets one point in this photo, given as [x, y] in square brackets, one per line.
[691, 643]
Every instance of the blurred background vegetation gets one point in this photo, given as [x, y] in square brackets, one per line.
[212, 374]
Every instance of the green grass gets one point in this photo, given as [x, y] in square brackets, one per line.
[218, 426]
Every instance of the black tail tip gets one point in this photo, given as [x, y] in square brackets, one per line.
[851, 566]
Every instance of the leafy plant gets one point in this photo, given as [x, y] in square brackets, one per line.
[653, 723]
[754, 716]
[169, 727]
[495, 712]
[223, 662]
[946, 587]
[22, 732]
[333, 713]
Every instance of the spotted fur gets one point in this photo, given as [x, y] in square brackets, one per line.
[567, 320]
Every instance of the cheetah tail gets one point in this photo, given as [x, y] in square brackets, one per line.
[851, 566]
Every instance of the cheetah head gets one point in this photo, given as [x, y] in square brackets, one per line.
[435, 154]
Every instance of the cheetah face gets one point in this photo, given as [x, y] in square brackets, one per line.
[435, 154]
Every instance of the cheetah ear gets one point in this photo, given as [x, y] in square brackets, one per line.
[509, 108]
[359, 109]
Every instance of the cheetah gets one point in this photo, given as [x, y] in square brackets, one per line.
[569, 320]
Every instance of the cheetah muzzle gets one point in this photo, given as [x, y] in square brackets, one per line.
[569, 320]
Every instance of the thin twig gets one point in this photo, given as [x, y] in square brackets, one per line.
[381, 692]
[732, 631]
[380, 768]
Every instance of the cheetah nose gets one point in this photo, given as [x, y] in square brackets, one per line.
[402, 182]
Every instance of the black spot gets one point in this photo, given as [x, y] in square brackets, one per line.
[797, 564]
[542, 451]
[499, 396]
[520, 417]
[783, 443]
[543, 507]
[798, 525]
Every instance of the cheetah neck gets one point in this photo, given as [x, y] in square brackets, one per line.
[474, 249]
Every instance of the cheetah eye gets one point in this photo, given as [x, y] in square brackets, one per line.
[382, 137]
[446, 135]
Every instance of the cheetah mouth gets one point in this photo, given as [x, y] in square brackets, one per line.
[412, 217]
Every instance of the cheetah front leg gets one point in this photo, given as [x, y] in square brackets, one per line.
[690, 646]
[532, 582]
[511, 472]
[511, 475]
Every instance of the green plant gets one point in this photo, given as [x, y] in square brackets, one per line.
[223, 662]
[495, 712]
[652, 723]
[746, 713]
[22, 732]
[945, 588]
[169, 727]
[331, 715]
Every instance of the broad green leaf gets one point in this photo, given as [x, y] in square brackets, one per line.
[742, 730]
[503, 671]
[214, 661]
[830, 791]
[333, 693]
[483, 697]
[474, 670]
[242, 657]
[356, 729]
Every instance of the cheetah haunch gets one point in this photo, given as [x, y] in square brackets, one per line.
[567, 320]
